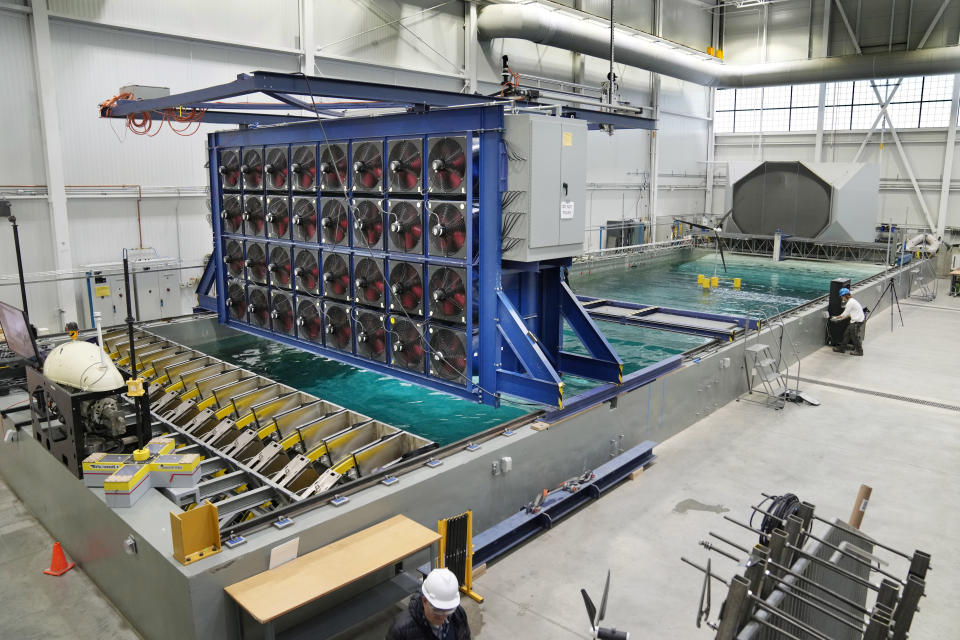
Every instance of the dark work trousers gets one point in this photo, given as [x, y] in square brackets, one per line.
[852, 337]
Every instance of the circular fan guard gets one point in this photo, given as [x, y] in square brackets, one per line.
[336, 277]
[368, 280]
[448, 165]
[406, 227]
[405, 163]
[406, 285]
[368, 220]
[305, 220]
[334, 222]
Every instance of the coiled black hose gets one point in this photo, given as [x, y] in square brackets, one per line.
[773, 518]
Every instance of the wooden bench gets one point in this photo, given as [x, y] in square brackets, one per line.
[276, 592]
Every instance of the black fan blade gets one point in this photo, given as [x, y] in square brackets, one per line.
[603, 600]
[720, 247]
[591, 609]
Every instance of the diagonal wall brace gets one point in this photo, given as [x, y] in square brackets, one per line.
[604, 364]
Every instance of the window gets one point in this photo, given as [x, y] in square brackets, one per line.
[914, 102]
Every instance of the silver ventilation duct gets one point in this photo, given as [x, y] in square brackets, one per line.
[564, 30]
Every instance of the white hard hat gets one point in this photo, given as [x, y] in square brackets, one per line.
[441, 589]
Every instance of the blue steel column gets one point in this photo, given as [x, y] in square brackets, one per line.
[217, 228]
[489, 245]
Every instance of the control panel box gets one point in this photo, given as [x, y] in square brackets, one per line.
[155, 285]
[544, 207]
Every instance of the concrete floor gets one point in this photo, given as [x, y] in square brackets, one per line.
[907, 451]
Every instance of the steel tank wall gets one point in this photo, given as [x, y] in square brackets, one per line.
[170, 600]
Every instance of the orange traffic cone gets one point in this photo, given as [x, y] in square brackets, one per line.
[58, 563]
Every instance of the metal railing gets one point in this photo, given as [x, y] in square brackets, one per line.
[639, 249]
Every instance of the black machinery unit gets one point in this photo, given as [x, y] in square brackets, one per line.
[834, 308]
[68, 423]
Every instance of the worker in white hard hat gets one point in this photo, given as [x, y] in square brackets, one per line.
[434, 613]
[853, 334]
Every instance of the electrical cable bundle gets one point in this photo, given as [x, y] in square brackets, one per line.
[774, 518]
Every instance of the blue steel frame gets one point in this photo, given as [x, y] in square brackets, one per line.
[287, 87]
[512, 354]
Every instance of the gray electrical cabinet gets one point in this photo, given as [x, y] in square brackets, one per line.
[155, 285]
[544, 214]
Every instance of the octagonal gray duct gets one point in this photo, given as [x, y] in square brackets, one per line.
[589, 36]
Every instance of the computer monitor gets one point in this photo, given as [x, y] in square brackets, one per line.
[17, 332]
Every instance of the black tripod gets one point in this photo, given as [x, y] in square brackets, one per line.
[894, 300]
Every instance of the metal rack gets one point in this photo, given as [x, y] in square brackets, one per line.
[805, 585]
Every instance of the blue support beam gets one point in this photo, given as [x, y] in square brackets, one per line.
[362, 95]
[606, 364]
[494, 542]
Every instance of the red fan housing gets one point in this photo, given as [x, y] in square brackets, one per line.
[405, 166]
[306, 270]
[335, 222]
[251, 167]
[333, 167]
[309, 322]
[305, 219]
[281, 311]
[229, 168]
[337, 326]
[406, 227]
[447, 164]
[256, 262]
[371, 335]
[448, 294]
[278, 217]
[253, 216]
[407, 344]
[303, 165]
[406, 287]
[276, 168]
[368, 224]
[258, 307]
[448, 230]
[236, 301]
[368, 166]
[368, 282]
[233, 258]
[280, 269]
[231, 212]
[448, 354]
[336, 276]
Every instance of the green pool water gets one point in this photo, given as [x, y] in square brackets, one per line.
[765, 284]
[444, 418]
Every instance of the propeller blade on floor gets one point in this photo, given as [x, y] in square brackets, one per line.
[603, 600]
[591, 609]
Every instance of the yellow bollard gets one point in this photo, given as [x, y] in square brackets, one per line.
[714, 281]
[736, 283]
[699, 278]
[705, 283]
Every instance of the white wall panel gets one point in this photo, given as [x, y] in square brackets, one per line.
[33, 220]
[21, 152]
[395, 33]
[92, 63]
[272, 23]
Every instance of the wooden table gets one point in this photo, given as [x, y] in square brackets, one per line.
[273, 593]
